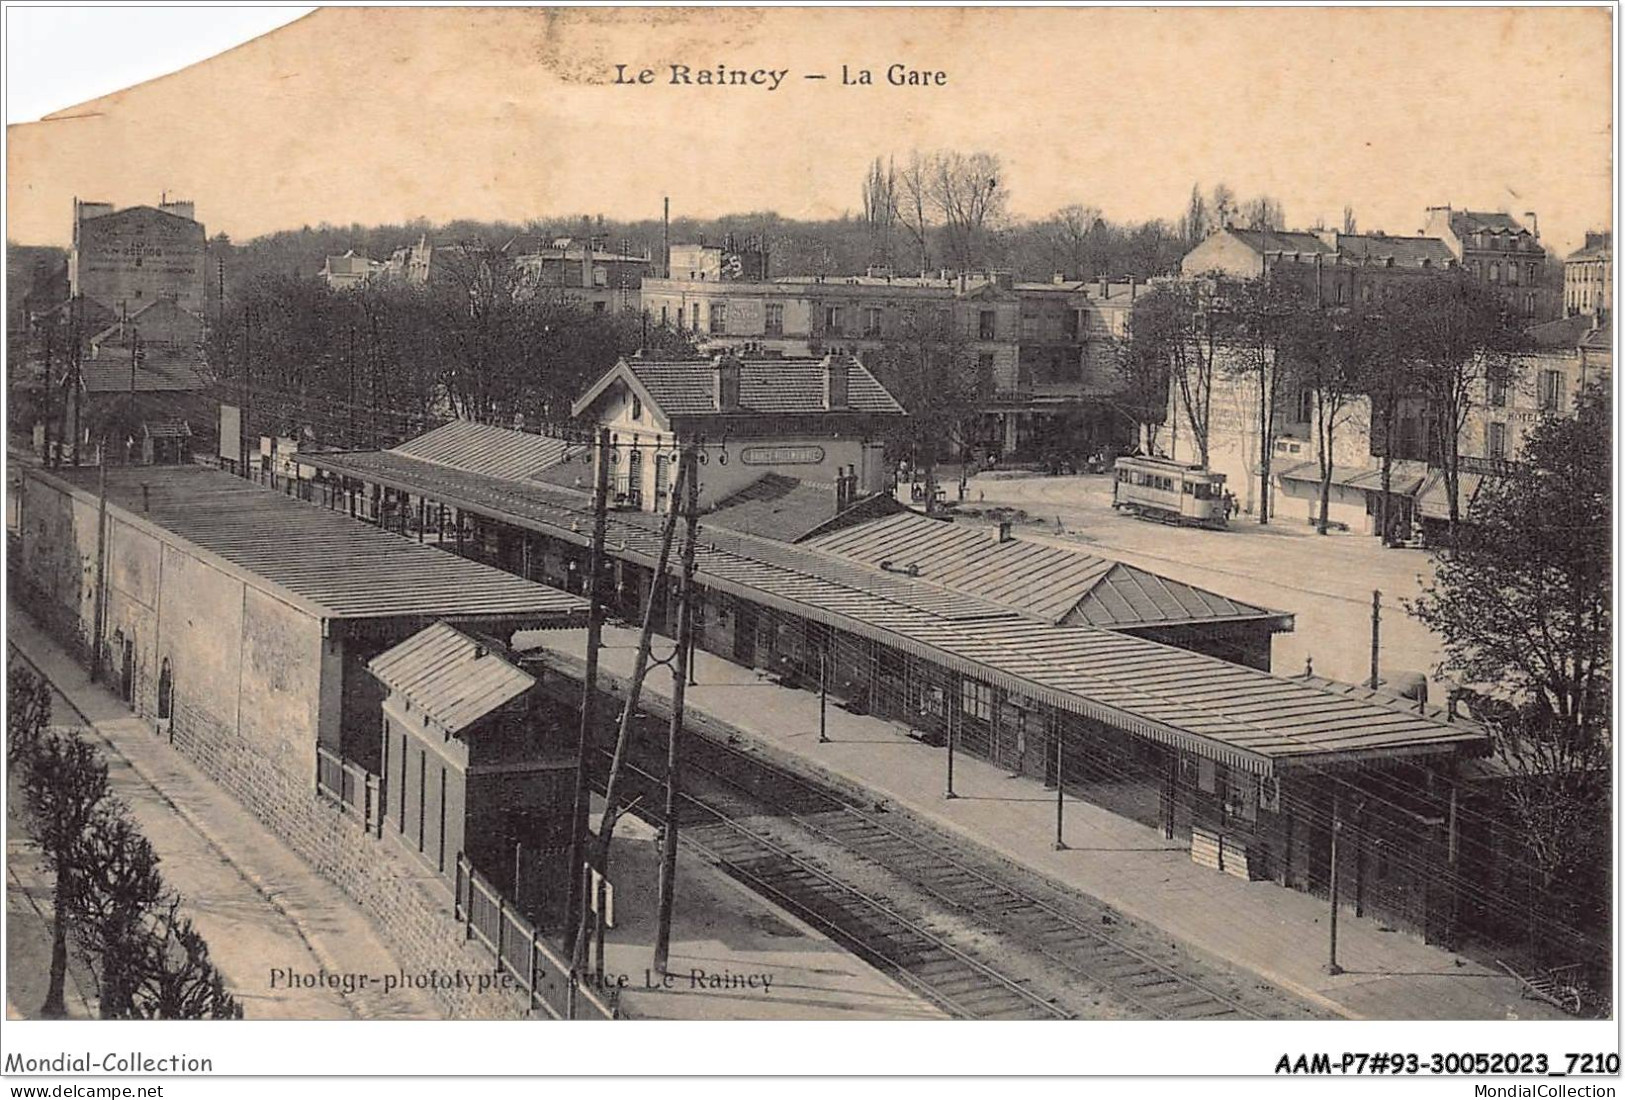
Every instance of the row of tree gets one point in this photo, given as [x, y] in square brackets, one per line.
[482, 340]
[1436, 346]
[109, 901]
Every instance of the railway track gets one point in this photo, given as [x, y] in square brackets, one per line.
[917, 957]
[1072, 936]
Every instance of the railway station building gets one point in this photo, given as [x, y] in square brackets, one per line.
[1142, 695]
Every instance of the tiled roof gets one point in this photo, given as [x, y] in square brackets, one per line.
[1355, 246]
[454, 679]
[1050, 582]
[1564, 334]
[1602, 251]
[486, 449]
[776, 506]
[1473, 220]
[1224, 711]
[160, 370]
[332, 565]
[785, 386]
[168, 428]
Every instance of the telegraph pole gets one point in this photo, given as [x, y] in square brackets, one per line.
[679, 679]
[1376, 635]
[952, 710]
[101, 566]
[589, 692]
[623, 734]
[1337, 827]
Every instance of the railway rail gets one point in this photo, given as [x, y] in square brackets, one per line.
[927, 963]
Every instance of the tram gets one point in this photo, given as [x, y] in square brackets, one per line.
[1169, 492]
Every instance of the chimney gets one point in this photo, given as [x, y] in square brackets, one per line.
[837, 382]
[1328, 237]
[1059, 278]
[1105, 288]
[187, 210]
[725, 383]
[1004, 532]
[1534, 223]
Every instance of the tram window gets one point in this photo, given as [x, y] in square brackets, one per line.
[1204, 491]
[1190, 489]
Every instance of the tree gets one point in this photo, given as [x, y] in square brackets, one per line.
[178, 980]
[934, 374]
[1524, 608]
[1264, 213]
[1350, 224]
[880, 209]
[1223, 206]
[64, 783]
[913, 210]
[28, 712]
[1334, 355]
[120, 888]
[1196, 222]
[1175, 326]
[968, 194]
[1259, 319]
[1070, 232]
[1454, 334]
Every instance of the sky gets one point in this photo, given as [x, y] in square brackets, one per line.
[382, 115]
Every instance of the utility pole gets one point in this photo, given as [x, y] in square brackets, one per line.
[589, 691]
[1337, 827]
[665, 222]
[101, 566]
[679, 680]
[823, 696]
[76, 360]
[1376, 635]
[1060, 790]
[623, 734]
[246, 420]
[952, 710]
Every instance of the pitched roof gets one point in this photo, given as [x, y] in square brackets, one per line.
[452, 678]
[486, 449]
[1599, 250]
[1356, 246]
[1477, 220]
[1250, 719]
[1564, 334]
[1053, 583]
[790, 509]
[1405, 476]
[785, 386]
[159, 370]
[324, 561]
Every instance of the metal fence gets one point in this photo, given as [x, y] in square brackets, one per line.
[357, 791]
[522, 953]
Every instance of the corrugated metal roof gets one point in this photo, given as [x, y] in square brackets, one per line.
[1053, 583]
[1405, 476]
[1224, 711]
[779, 507]
[454, 679]
[333, 565]
[486, 449]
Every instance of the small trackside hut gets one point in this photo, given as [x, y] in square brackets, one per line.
[476, 762]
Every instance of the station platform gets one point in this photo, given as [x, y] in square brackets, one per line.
[733, 956]
[1278, 934]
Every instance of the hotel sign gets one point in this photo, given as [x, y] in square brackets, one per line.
[782, 456]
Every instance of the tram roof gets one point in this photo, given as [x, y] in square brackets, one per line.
[1238, 715]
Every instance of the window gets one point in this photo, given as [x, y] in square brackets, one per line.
[1551, 389]
[976, 700]
[1342, 293]
[773, 324]
[719, 317]
[1306, 405]
[1495, 442]
[984, 369]
[662, 480]
[871, 322]
[694, 316]
[664, 319]
[598, 307]
[1240, 791]
[1072, 323]
[1496, 385]
[1512, 274]
[986, 328]
[832, 319]
[1529, 304]
[1495, 271]
[637, 407]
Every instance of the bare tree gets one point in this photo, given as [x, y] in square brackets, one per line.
[967, 192]
[1350, 225]
[1223, 205]
[63, 782]
[1174, 330]
[915, 204]
[880, 208]
[1334, 357]
[1264, 213]
[1196, 222]
[1070, 232]
[178, 979]
[1258, 319]
[121, 889]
